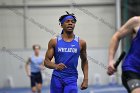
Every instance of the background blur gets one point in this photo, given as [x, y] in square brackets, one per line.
[27, 22]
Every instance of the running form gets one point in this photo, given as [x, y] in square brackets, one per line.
[34, 73]
[66, 49]
[131, 64]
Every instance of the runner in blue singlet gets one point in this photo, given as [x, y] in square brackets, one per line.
[66, 49]
[131, 64]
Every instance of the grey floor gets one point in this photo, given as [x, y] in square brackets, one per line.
[91, 89]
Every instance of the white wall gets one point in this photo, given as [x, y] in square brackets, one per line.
[11, 29]
[19, 2]
[12, 66]
[89, 26]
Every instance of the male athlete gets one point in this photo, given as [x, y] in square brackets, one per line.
[66, 49]
[131, 64]
[36, 65]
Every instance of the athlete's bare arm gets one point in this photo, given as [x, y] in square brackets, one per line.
[27, 67]
[84, 64]
[128, 28]
[49, 56]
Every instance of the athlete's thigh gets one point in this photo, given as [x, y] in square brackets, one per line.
[33, 82]
[137, 90]
[71, 88]
[56, 85]
[131, 81]
[39, 78]
[124, 82]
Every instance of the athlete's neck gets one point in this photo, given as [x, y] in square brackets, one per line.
[36, 55]
[68, 37]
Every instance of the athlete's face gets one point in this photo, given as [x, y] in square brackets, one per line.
[36, 51]
[68, 25]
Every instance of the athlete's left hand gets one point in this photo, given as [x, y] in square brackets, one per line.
[42, 67]
[84, 84]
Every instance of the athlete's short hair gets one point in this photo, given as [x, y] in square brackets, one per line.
[36, 46]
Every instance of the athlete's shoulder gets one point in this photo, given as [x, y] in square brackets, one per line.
[55, 38]
[52, 41]
[82, 42]
[135, 19]
[133, 23]
[29, 59]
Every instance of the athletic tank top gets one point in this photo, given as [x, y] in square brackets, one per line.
[68, 54]
[35, 63]
[132, 60]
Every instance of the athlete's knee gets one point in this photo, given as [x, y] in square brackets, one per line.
[33, 89]
[39, 87]
[137, 90]
[39, 91]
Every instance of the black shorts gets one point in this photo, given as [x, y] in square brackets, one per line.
[131, 80]
[36, 78]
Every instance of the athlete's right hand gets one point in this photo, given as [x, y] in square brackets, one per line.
[60, 66]
[111, 69]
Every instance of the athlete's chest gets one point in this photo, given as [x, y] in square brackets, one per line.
[72, 47]
[36, 60]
